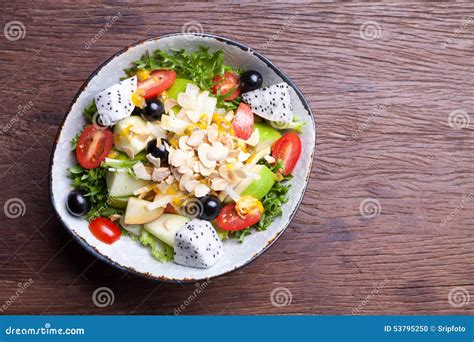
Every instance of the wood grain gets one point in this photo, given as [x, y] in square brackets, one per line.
[382, 108]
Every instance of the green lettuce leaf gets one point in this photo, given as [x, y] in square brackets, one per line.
[159, 250]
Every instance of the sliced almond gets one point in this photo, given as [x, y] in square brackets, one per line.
[217, 152]
[169, 103]
[204, 170]
[177, 158]
[182, 182]
[201, 190]
[190, 185]
[243, 156]
[182, 143]
[155, 161]
[269, 159]
[187, 101]
[141, 171]
[219, 184]
[160, 174]
[196, 137]
[212, 133]
[254, 138]
[203, 150]
[170, 180]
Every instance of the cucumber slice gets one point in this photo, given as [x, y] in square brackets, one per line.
[179, 86]
[118, 202]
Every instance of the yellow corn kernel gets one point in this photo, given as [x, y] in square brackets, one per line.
[143, 74]
[138, 100]
[247, 204]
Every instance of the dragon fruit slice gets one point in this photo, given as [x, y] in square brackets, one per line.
[196, 245]
[115, 102]
[272, 103]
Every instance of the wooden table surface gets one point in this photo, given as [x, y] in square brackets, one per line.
[386, 224]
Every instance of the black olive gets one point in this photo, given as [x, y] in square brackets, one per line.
[153, 110]
[211, 207]
[250, 80]
[158, 151]
[77, 203]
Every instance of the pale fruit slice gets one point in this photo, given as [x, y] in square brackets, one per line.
[137, 212]
[268, 135]
[166, 226]
[121, 184]
[131, 135]
[257, 188]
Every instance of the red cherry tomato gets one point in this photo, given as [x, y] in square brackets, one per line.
[243, 122]
[224, 84]
[288, 150]
[158, 82]
[105, 230]
[93, 146]
[228, 218]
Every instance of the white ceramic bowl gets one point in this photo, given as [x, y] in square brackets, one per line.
[130, 255]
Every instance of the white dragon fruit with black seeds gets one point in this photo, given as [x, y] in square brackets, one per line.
[196, 244]
[272, 103]
[115, 102]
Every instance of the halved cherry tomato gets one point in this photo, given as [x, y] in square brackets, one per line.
[93, 146]
[228, 218]
[288, 150]
[224, 84]
[105, 230]
[243, 122]
[158, 82]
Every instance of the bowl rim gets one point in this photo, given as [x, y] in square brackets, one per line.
[91, 249]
